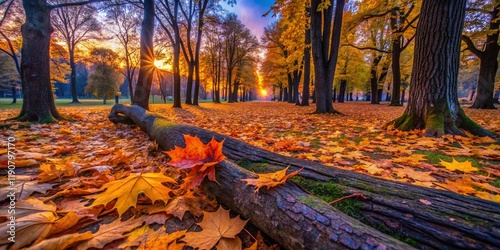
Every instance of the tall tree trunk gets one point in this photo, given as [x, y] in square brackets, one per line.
[229, 94]
[189, 83]
[489, 63]
[285, 94]
[373, 80]
[297, 74]
[289, 77]
[396, 57]
[72, 65]
[143, 88]
[14, 94]
[38, 103]
[342, 90]
[307, 65]
[236, 86]
[281, 94]
[433, 103]
[325, 48]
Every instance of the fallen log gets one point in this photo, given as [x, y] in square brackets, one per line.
[452, 221]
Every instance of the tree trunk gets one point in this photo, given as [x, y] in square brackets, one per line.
[290, 87]
[14, 94]
[374, 80]
[189, 83]
[38, 103]
[297, 74]
[433, 103]
[307, 65]
[486, 80]
[489, 64]
[343, 87]
[281, 94]
[143, 88]
[285, 94]
[325, 48]
[390, 206]
[396, 58]
[72, 65]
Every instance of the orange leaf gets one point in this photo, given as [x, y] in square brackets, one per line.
[215, 226]
[196, 153]
[271, 179]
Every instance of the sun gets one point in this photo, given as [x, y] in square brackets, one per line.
[263, 92]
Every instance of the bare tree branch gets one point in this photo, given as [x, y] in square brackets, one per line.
[75, 3]
[471, 46]
[367, 48]
[6, 10]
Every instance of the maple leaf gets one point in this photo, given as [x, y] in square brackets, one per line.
[61, 242]
[465, 166]
[200, 158]
[24, 189]
[126, 190]
[271, 179]
[215, 226]
[179, 205]
[29, 228]
[110, 232]
[31, 206]
[196, 153]
[146, 238]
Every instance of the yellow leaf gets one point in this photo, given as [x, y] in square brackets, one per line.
[465, 166]
[61, 242]
[110, 232]
[126, 190]
[215, 226]
[271, 179]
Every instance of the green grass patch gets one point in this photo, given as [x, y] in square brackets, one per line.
[436, 157]
[328, 192]
[496, 183]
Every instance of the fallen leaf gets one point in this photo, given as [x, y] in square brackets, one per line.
[110, 232]
[271, 179]
[61, 242]
[126, 190]
[465, 166]
[215, 226]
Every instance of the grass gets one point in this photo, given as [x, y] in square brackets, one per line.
[434, 157]
[6, 103]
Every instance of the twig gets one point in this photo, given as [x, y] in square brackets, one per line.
[360, 195]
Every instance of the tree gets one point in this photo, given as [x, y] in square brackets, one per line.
[104, 79]
[433, 103]
[8, 46]
[168, 16]
[125, 22]
[325, 45]
[75, 24]
[146, 70]
[239, 43]
[38, 103]
[488, 56]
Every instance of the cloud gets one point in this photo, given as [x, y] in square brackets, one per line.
[250, 13]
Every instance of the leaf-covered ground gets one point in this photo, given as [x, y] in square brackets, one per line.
[68, 165]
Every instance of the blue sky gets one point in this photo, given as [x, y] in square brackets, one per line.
[250, 13]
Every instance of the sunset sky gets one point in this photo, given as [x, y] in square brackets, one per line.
[250, 13]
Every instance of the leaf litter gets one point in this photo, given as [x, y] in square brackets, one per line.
[68, 170]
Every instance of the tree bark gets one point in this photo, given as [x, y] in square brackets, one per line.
[143, 87]
[307, 64]
[433, 103]
[392, 206]
[489, 64]
[325, 48]
[396, 58]
[72, 65]
[38, 103]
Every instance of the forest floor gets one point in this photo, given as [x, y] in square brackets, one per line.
[74, 159]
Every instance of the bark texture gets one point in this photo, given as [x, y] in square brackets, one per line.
[433, 102]
[38, 104]
[390, 205]
[146, 70]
